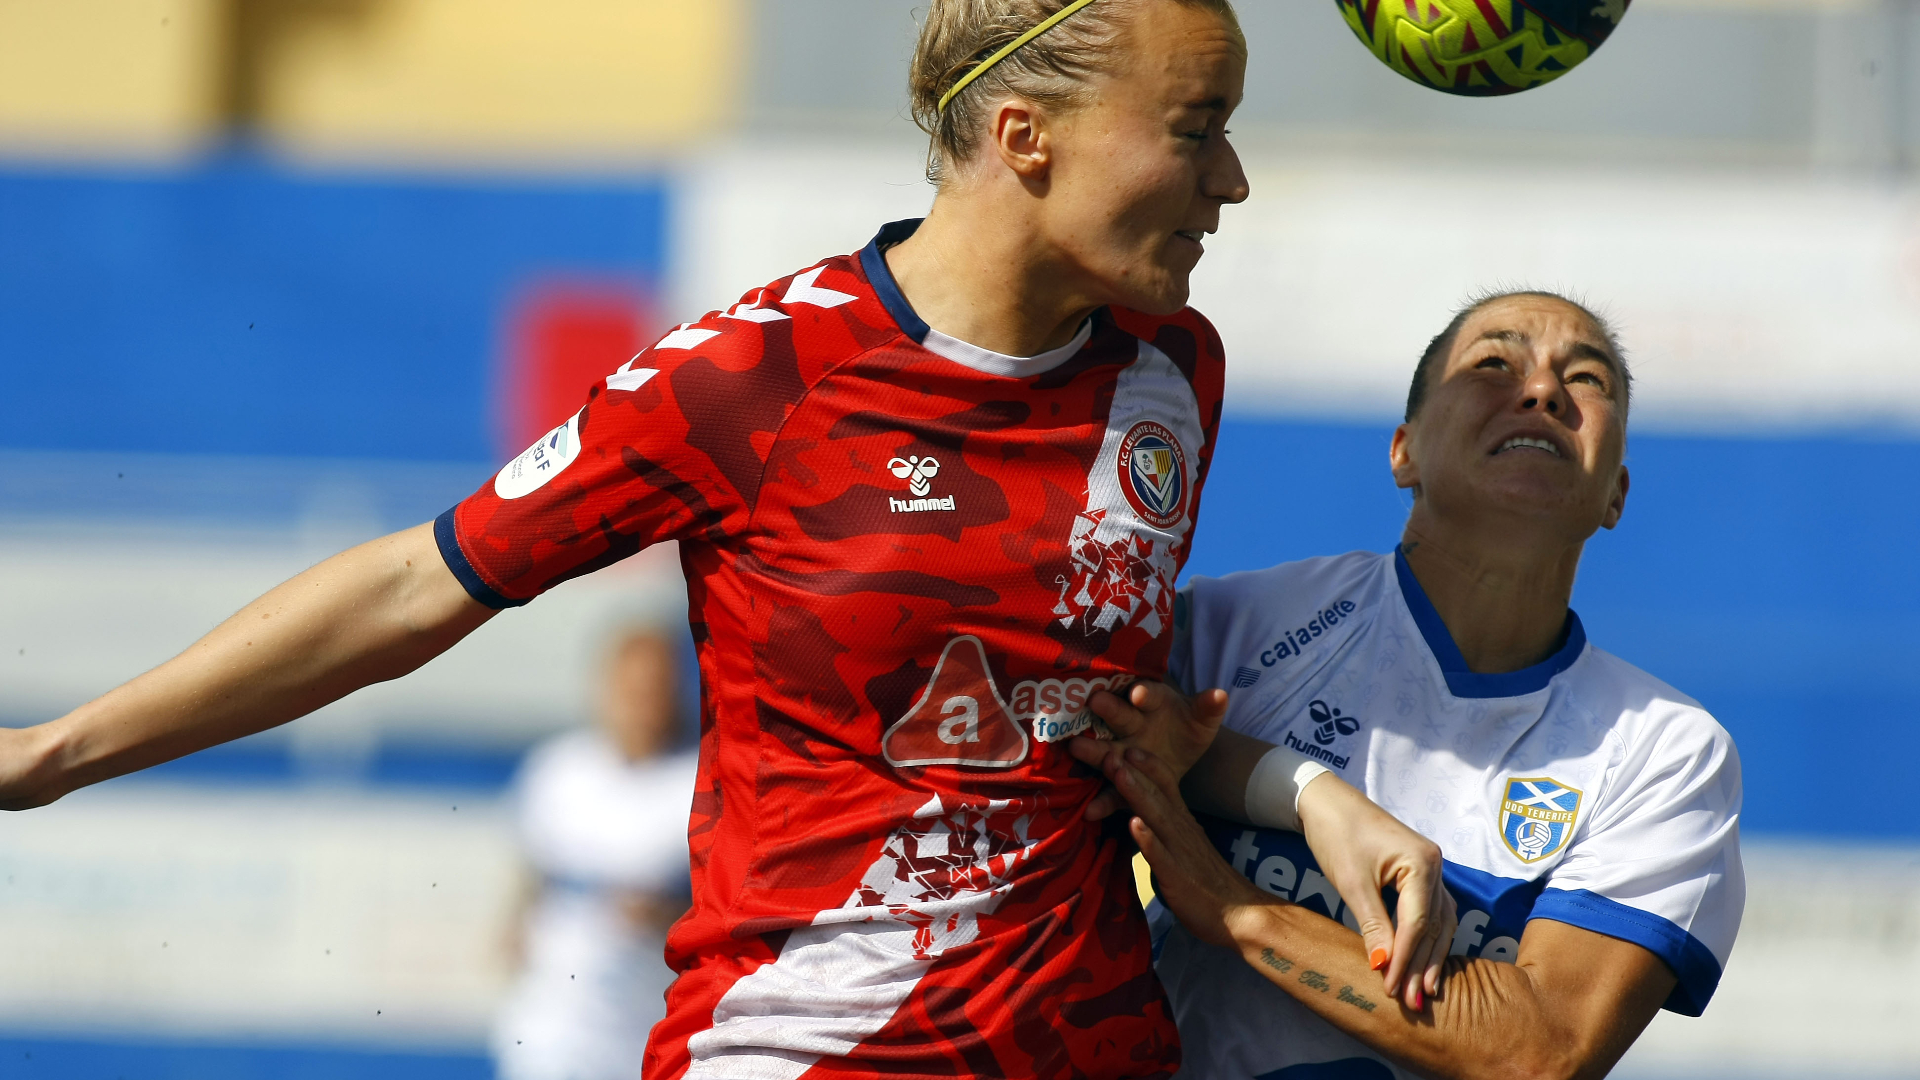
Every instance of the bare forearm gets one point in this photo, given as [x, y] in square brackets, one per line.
[364, 616]
[1217, 783]
[1488, 1021]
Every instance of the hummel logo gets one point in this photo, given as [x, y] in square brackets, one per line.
[1245, 677]
[1329, 724]
[917, 471]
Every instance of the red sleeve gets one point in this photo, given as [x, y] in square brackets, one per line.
[667, 447]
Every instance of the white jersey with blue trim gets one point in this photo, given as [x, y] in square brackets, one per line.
[1581, 790]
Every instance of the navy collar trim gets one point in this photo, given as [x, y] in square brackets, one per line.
[873, 259]
[1463, 683]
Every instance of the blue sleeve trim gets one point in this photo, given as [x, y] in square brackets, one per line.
[1692, 963]
[449, 541]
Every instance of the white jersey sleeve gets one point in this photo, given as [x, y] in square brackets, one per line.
[1659, 862]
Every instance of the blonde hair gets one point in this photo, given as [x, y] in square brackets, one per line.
[1051, 71]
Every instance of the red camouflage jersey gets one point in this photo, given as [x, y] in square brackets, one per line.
[909, 563]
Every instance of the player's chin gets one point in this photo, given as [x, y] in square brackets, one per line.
[1163, 290]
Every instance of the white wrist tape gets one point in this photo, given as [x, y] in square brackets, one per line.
[1273, 791]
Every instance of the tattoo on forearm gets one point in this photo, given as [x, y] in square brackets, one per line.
[1347, 995]
[1316, 981]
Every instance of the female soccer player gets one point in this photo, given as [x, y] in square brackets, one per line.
[1589, 812]
[931, 499]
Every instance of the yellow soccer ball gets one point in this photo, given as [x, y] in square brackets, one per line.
[1482, 47]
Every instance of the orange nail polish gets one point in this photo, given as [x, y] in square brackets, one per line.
[1379, 959]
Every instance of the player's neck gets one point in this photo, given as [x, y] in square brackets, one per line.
[974, 275]
[1503, 597]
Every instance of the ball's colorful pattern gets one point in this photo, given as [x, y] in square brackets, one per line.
[1482, 47]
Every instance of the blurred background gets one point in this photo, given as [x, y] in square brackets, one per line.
[278, 276]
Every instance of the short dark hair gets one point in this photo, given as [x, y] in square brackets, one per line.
[1442, 343]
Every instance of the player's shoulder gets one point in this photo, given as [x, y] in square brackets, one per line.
[1186, 336]
[1262, 617]
[1649, 713]
[781, 337]
[1280, 589]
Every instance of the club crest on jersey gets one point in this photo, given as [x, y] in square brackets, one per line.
[1153, 473]
[1537, 816]
[959, 719]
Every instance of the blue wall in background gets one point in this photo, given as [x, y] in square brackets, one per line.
[239, 307]
[33, 1058]
[1770, 578]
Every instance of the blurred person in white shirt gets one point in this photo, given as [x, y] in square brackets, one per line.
[602, 819]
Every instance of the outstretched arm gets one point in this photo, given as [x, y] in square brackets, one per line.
[1568, 1007]
[373, 613]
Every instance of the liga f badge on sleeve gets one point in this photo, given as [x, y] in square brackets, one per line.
[1537, 815]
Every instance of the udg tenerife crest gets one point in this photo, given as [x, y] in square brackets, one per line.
[1537, 816]
[1153, 473]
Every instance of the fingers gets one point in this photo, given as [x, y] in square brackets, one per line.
[1148, 842]
[1091, 751]
[1148, 778]
[1210, 707]
[1412, 944]
[1376, 930]
[1127, 711]
[1088, 750]
[1443, 929]
[1154, 800]
[1105, 804]
[1427, 918]
[1120, 716]
[1428, 964]
[1155, 769]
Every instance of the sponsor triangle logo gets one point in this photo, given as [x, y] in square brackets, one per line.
[960, 719]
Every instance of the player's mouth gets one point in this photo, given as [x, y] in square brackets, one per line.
[1197, 236]
[1529, 443]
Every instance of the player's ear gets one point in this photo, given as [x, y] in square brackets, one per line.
[1021, 138]
[1400, 457]
[1617, 501]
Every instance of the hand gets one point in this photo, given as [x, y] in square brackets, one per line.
[1191, 878]
[1363, 849]
[26, 769]
[1153, 717]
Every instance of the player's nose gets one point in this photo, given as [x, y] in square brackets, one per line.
[1544, 392]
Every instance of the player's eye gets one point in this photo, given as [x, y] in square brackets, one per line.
[1493, 363]
[1588, 377]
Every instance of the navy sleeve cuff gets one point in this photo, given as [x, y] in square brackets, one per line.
[470, 579]
[1692, 962]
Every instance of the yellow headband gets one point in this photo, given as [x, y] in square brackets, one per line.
[1012, 47]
